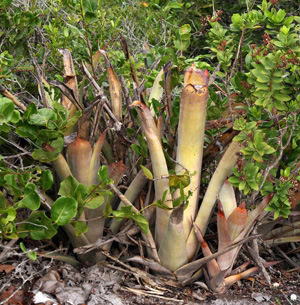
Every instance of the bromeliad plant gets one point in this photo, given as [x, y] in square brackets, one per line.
[85, 187]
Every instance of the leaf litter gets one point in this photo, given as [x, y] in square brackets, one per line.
[123, 282]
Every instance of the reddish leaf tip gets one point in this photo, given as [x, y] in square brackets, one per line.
[220, 209]
[242, 206]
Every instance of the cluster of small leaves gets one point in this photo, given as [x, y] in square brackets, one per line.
[75, 197]
[21, 188]
[221, 43]
[140, 149]
[176, 181]
[6, 62]
[254, 139]
[269, 83]
[281, 203]
[43, 127]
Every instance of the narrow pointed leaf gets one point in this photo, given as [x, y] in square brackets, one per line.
[147, 172]
[224, 240]
[70, 80]
[95, 160]
[167, 81]
[223, 170]
[212, 265]
[237, 220]
[227, 197]
[160, 169]
[115, 89]
[157, 90]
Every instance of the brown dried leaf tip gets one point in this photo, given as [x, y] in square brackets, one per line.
[196, 76]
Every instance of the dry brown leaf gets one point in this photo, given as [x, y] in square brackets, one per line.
[6, 268]
[16, 299]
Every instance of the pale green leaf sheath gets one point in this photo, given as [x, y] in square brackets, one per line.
[173, 242]
[220, 175]
[191, 130]
[79, 154]
[160, 169]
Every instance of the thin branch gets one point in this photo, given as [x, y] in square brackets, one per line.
[232, 70]
[7, 94]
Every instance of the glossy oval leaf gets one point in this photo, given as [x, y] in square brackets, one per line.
[63, 210]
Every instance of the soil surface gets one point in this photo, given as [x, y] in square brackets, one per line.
[48, 281]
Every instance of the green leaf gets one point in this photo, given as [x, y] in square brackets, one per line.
[7, 215]
[179, 180]
[39, 226]
[143, 146]
[279, 105]
[281, 97]
[161, 205]
[80, 193]
[181, 44]
[108, 210]
[27, 130]
[175, 5]
[185, 29]
[44, 117]
[136, 149]
[262, 78]
[234, 180]
[31, 199]
[45, 156]
[15, 117]
[240, 137]
[31, 254]
[90, 5]
[68, 187]
[80, 227]
[95, 202]
[246, 189]
[258, 138]
[2, 201]
[270, 150]
[254, 185]
[63, 210]
[46, 180]
[46, 134]
[90, 17]
[139, 219]
[147, 172]
[242, 185]
[103, 174]
[71, 121]
[6, 110]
